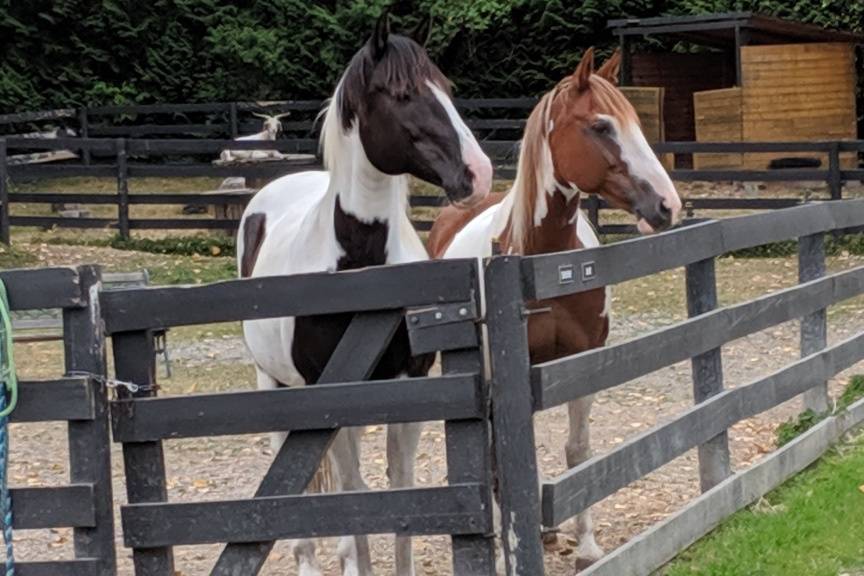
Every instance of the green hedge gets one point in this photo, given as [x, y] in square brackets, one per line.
[86, 52]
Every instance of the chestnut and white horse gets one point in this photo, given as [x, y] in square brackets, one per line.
[583, 137]
[391, 116]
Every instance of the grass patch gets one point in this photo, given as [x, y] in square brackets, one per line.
[198, 245]
[810, 526]
[851, 244]
[11, 257]
[834, 246]
[791, 429]
[199, 271]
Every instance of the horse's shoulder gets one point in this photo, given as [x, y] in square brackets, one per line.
[452, 220]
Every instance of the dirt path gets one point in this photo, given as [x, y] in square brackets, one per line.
[214, 358]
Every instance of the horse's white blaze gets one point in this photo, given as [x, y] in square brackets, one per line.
[643, 163]
[472, 154]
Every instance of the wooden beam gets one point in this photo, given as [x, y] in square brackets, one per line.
[356, 357]
[593, 480]
[603, 368]
[707, 371]
[390, 287]
[652, 549]
[61, 507]
[36, 288]
[55, 400]
[307, 408]
[454, 509]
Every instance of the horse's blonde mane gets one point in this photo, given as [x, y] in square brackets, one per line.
[331, 130]
[532, 174]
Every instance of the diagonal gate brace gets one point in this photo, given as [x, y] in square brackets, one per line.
[294, 466]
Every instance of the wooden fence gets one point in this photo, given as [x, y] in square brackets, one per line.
[86, 503]
[124, 160]
[522, 389]
[439, 301]
[190, 130]
[490, 116]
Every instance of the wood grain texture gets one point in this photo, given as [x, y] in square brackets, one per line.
[650, 550]
[797, 92]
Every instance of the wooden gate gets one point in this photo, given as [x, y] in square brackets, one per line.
[442, 303]
[86, 503]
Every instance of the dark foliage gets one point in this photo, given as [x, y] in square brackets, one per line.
[87, 52]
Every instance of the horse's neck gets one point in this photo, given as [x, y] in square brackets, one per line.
[554, 229]
[363, 207]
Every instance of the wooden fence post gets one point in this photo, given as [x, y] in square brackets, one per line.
[835, 180]
[814, 327]
[5, 232]
[594, 211]
[469, 459]
[232, 113]
[144, 462]
[84, 132]
[513, 423]
[122, 189]
[90, 440]
[714, 461]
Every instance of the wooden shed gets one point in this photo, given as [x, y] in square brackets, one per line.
[757, 79]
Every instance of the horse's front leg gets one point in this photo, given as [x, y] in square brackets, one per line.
[402, 441]
[353, 551]
[578, 450]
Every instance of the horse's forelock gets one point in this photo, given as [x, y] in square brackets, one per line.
[608, 98]
[404, 69]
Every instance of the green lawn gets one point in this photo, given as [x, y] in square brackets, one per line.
[811, 526]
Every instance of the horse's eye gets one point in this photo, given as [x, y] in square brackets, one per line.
[603, 128]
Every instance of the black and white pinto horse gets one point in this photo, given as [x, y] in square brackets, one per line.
[391, 116]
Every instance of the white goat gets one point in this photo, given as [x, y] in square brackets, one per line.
[49, 134]
[272, 128]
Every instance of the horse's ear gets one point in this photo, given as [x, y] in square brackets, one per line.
[422, 31]
[611, 68]
[584, 70]
[381, 35]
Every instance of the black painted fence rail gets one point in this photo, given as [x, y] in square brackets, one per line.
[700, 339]
[132, 152]
[440, 301]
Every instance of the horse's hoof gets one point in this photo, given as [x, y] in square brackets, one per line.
[550, 540]
[582, 564]
[589, 552]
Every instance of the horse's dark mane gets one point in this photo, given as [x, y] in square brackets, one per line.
[402, 70]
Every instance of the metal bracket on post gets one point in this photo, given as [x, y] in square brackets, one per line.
[814, 327]
[714, 460]
[442, 328]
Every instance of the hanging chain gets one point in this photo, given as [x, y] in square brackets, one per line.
[114, 383]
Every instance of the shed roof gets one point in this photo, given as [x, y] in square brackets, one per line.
[719, 29]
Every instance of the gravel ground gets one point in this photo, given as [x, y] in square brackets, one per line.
[206, 469]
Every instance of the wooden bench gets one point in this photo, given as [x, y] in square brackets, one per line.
[29, 326]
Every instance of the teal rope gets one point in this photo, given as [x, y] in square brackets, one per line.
[10, 386]
[5, 496]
